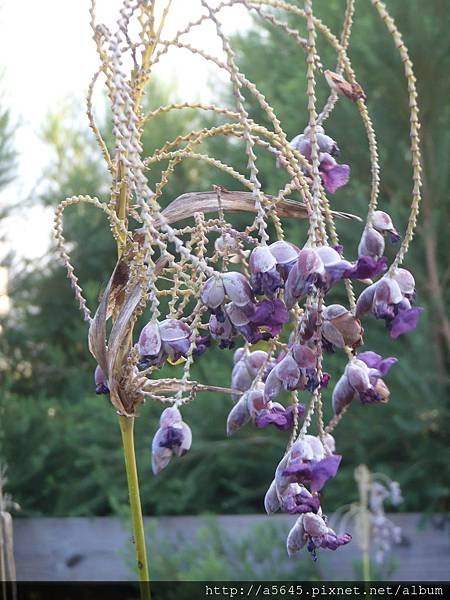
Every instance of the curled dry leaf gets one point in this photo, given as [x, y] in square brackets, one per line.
[190, 203]
[120, 299]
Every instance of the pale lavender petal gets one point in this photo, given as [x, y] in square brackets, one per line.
[149, 343]
[237, 288]
[343, 394]
[261, 260]
[371, 244]
[288, 372]
[213, 293]
[172, 330]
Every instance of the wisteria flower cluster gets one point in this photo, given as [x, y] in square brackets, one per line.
[199, 279]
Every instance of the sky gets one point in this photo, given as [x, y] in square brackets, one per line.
[47, 58]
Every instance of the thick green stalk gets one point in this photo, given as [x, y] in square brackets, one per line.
[127, 430]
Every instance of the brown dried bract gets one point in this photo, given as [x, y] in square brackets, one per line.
[343, 88]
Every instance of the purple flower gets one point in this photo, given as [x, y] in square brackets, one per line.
[297, 370]
[278, 415]
[372, 240]
[325, 143]
[312, 528]
[405, 320]
[173, 437]
[222, 330]
[366, 267]
[259, 321]
[238, 416]
[297, 500]
[306, 274]
[265, 278]
[285, 254]
[390, 299]
[333, 174]
[331, 540]
[101, 383]
[168, 340]
[371, 244]
[270, 314]
[382, 222]
[246, 367]
[202, 343]
[313, 473]
[363, 378]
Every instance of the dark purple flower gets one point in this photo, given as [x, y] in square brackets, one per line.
[314, 473]
[171, 437]
[282, 418]
[271, 314]
[202, 343]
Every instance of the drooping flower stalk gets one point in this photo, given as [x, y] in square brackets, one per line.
[232, 286]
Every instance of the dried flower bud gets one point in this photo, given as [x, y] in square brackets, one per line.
[340, 327]
[338, 84]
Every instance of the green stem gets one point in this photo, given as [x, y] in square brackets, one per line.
[366, 565]
[127, 430]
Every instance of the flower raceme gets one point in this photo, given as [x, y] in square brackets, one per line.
[280, 295]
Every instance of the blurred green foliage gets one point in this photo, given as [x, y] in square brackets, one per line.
[62, 442]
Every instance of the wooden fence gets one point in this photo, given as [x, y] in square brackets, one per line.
[90, 549]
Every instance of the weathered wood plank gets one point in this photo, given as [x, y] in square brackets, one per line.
[78, 549]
